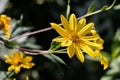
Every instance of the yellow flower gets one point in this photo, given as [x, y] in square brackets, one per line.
[5, 25]
[77, 37]
[18, 61]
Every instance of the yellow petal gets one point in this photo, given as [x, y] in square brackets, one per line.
[66, 43]
[17, 69]
[16, 56]
[88, 50]
[89, 37]
[94, 32]
[71, 51]
[72, 22]
[79, 54]
[81, 24]
[104, 62]
[28, 59]
[7, 32]
[85, 30]
[12, 67]
[9, 59]
[100, 41]
[59, 39]
[59, 29]
[64, 22]
[28, 65]
[94, 45]
[7, 56]
[21, 55]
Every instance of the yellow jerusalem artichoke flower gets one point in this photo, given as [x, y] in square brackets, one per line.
[5, 25]
[78, 38]
[18, 61]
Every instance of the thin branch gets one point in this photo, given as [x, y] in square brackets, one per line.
[37, 52]
[31, 33]
[32, 51]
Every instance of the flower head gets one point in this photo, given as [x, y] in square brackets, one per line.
[18, 61]
[77, 36]
[5, 25]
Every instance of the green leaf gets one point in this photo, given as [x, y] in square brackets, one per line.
[58, 59]
[54, 58]
[91, 7]
[17, 24]
[55, 45]
[115, 49]
[68, 1]
[68, 11]
[116, 44]
[10, 45]
[117, 35]
[104, 8]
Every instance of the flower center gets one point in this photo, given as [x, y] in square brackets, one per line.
[75, 38]
[19, 63]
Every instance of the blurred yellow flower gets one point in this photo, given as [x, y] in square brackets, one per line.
[78, 38]
[18, 61]
[5, 25]
[27, 78]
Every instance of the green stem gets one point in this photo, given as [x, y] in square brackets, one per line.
[68, 9]
[37, 52]
[98, 11]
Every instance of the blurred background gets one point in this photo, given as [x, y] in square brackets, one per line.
[37, 14]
